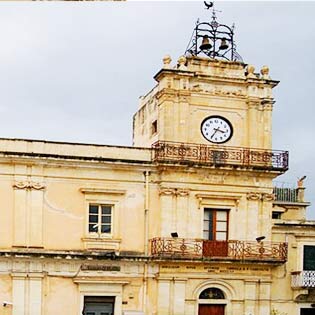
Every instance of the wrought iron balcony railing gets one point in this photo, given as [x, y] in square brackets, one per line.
[164, 247]
[286, 194]
[170, 152]
[303, 279]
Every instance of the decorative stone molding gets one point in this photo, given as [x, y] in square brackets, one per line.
[196, 87]
[182, 192]
[167, 191]
[105, 191]
[99, 243]
[174, 191]
[228, 200]
[253, 196]
[268, 197]
[260, 196]
[29, 185]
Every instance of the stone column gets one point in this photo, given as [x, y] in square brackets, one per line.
[167, 211]
[164, 293]
[267, 143]
[28, 213]
[253, 203]
[35, 294]
[264, 297]
[179, 296]
[253, 125]
[20, 217]
[182, 224]
[250, 297]
[36, 218]
[18, 293]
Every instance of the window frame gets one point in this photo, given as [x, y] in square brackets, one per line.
[304, 268]
[214, 230]
[114, 218]
[99, 223]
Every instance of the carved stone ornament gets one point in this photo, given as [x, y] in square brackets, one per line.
[222, 92]
[167, 191]
[268, 197]
[253, 196]
[167, 62]
[182, 192]
[29, 185]
[174, 191]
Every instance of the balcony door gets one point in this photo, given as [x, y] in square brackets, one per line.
[209, 309]
[215, 232]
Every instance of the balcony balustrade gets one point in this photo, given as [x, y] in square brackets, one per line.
[170, 152]
[303, 279]
[286, 194]
[164, 247]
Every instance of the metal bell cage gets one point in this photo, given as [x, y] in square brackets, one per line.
[213, 40]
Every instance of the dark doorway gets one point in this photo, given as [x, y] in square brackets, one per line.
[307, 311]
[98, 305]
[211, 309]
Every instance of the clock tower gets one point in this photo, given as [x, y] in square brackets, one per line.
[210, 116]
[207, 101]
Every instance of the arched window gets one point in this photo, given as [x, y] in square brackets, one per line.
[212, 293]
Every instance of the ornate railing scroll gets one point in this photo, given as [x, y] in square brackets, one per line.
[179, 247]
[235, 250]
[166, 152]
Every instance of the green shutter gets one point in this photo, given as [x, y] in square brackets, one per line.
[309, 258]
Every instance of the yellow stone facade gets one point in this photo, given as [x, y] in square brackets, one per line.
[87, 225]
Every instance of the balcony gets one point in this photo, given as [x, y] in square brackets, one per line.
[286, 194]
[187, 153]
[180, 248]
[303, 279]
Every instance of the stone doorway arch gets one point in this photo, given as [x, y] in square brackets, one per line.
[212, 301]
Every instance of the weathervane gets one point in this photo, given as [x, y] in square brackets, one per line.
[213, 39]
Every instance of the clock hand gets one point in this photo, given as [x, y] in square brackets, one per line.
[214, 133]
[217, 129]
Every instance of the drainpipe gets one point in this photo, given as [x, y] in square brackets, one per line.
[146, 212]
[146, 240]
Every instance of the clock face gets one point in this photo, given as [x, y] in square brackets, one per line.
[216, 129]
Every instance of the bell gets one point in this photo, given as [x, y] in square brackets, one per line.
[205, 45]
[224, 45]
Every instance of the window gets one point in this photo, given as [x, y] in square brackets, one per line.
[276, 215]
[154, 127]
[215, 224]
[100, 218]
[98, 305]
[211, 293]
[309, 257]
